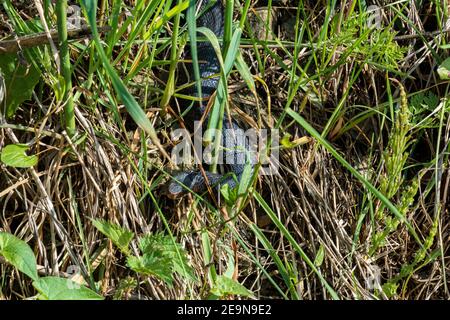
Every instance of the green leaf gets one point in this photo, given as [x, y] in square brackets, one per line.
[19, 254]
[286, 141]
[244, 71]
[390, 289]
[231, 263]
[431, 101]
[55, 288]
[230, 195]
[225, 286]
[160, 21]
[121, 237]
[14, 155]
[154, 264]
[161, 257]
[20, 81]
[246, 179]
[320, 256]
[170, 249]
[444, 70]
[125, 286]
[289, 144]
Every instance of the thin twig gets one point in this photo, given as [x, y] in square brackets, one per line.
[39, 39]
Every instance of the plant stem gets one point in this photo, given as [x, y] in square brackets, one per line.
[69, 116]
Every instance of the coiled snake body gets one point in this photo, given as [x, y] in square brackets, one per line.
[233, 141]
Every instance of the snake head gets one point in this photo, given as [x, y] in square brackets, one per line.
[184, 181]
[175, 189]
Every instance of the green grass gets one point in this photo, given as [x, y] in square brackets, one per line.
[369, 190]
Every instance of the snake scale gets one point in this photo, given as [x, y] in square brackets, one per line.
[233, 141]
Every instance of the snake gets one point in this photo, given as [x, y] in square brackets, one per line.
[233, 141]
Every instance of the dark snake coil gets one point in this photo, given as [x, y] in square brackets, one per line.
[233, 141]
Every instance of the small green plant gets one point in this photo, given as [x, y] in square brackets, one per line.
[394, 186]
[126, 285]
[19, 254]
[424, 107]
[391, 286]
[392, 182]
[161, 257]
[224, 285]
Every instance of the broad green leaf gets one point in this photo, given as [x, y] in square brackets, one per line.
[168, 248]
[20, 81]
[154, 264]
[161, 257]
[19, 254]
[121, 237]
[14, 155]
[55, 288]
[225, 286]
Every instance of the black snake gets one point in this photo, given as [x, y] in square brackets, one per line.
[233, 141]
